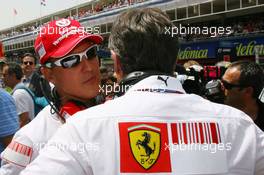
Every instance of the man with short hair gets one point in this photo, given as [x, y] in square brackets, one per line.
[243, 82]
[28, 66]
[12, 75]
[154, 127]
[68, 56]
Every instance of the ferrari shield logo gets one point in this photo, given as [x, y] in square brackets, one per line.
[145, 144]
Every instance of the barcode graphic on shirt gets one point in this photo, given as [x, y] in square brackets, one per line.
[195, 133]
[20, 148]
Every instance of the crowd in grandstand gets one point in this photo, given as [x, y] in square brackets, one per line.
[239, 27]
[104, 7]
[244, 25]
[99, 7]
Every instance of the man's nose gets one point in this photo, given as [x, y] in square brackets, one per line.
[86, 65]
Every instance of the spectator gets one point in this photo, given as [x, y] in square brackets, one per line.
[24, 102]
[190, 63]
[104, 75]
[8, 119]
[28, 67]
[129, 134]
[224, 64]
[243, 82]
[2, 63]
[36, 86]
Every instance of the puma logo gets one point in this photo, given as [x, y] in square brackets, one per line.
[162, 79]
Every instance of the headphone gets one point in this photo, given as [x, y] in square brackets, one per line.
[261, 96]
[133, 78]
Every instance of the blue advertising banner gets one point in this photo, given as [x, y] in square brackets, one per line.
[248, 46]
[197, 50]
[242, 46]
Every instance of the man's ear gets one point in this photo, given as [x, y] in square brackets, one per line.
[249, 91]
[48, 74]
[117, 66]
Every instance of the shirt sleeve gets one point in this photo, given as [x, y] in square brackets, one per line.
[61, 156]
[17, 155]
[9, 169]
[8, 116]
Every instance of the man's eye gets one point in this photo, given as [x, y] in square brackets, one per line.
[69, 63]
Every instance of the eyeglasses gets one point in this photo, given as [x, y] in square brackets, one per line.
[230, 86]
[74, 59]
[28, 63]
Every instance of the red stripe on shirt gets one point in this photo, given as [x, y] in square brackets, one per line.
[214, 133]
[201, 133]
[184, 133]
[174, 131]
[190, 133]
[29, 152]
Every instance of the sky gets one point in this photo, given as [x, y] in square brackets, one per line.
[28, 10]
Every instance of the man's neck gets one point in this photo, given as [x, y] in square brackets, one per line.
[251, 109]
[65, 99]
[12, 86]
[28, 75]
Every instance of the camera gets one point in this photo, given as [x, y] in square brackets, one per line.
[214, 92]
[213, 88]
[204, 82]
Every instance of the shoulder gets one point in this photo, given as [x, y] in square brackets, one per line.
[22, 95]
[41, 128]
[162, 107]
[109, 108]
[20, 92]
[228, 112]
[8, 115]
[5, 97]
[189, 105]
[6, 101]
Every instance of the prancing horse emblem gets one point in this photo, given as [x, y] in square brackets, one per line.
[162, 79]
[144, 144]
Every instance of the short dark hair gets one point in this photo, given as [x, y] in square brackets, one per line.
[251, 74]
[138, 37]
[29, 55]
[14, 68]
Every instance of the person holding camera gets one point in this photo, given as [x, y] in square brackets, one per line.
[154, 127]
[243, 82]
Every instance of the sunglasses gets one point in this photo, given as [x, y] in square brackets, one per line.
[74, 59]
[230, 86]
[28, 63]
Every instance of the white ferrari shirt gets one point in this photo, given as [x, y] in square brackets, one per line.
[154, 128]
[27, 142]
